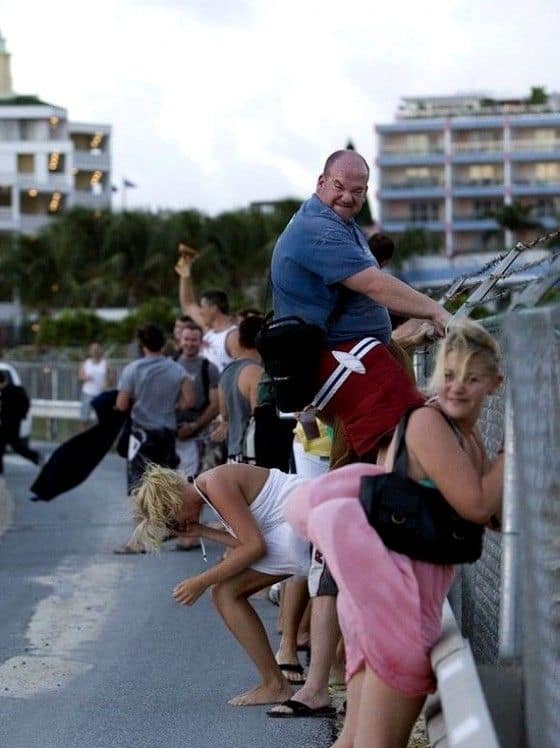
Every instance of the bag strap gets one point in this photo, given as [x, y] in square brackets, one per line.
[400, 463]
[205, 376]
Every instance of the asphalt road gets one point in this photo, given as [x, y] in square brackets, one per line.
[94, 652]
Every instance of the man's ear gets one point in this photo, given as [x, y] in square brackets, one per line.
[320, 181]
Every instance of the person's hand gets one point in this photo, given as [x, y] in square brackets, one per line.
[219, 432]
[183, 266]
[188, 591]
[440, 320]
[185, 430]
[191, 530]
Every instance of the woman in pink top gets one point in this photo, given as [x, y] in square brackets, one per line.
[389, 605]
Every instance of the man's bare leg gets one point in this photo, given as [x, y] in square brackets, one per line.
[230, 598]
[324, 636]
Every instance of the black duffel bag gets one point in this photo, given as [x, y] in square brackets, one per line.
[417, 520]
[290, 350]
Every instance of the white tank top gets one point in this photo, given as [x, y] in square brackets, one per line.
[97, 373]
[214, 347]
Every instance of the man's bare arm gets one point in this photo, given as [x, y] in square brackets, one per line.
[398, 297]
[187, 299]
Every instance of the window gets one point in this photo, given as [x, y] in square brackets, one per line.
[424, 212]
[56, 162]
[548, 172]
[485, 208]
[482, 173]
[5, 196]
[26, 163]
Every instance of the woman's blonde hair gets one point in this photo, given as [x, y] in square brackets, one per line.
[156, 502]
[468, 340]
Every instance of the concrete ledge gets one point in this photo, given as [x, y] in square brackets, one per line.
[6, 507]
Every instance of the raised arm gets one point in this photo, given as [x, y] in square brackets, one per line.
[187, 298]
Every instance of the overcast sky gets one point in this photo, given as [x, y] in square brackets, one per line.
[215, 103]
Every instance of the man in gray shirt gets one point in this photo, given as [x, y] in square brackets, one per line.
[152, 388]
[192, 423]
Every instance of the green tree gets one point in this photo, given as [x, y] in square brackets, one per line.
[414, 242]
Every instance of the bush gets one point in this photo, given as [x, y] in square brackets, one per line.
[71, 328]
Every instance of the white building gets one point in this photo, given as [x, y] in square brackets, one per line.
[451, 164]
[47, 163]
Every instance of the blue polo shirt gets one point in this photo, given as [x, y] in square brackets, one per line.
[316, 252]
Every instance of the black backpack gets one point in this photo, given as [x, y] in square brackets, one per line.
[290, 350]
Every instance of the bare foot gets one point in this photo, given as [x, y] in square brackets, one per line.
[273, 694]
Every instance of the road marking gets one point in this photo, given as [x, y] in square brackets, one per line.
[6, 507]
[71, 616]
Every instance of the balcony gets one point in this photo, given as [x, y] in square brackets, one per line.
[399, 226]
[59, 182]
[477, 188]
[480, 151]
[534, 187]
[404, 155]
[7, 222]
[86, 199]
[531, 149]
[91, 161]
[412, 188]
[473, 222]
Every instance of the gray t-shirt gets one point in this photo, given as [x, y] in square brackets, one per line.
[154, 383]
[316, 252]
[193, 367]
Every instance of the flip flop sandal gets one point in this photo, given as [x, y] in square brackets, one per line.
[299, 709]
[296, 670]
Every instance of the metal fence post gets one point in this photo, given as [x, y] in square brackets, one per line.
[509, 637]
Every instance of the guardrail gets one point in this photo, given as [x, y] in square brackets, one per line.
[457, 715]
[55, 409]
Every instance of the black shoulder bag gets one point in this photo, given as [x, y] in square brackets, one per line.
[417, 520]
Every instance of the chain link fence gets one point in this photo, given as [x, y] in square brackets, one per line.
[532, 346]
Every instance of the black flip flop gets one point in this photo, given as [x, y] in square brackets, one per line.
[299, 710]
[297, 670]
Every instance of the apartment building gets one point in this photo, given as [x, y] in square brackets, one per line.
[449, 163]
[47, 163]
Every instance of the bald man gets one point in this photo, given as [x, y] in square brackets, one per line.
[324, 272]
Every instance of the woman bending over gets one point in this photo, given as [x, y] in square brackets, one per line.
[264, 549]
[389, 605]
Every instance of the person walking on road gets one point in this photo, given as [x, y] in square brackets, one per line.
[14, 406]
[153, 388]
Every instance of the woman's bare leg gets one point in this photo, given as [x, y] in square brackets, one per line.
[294, 599]
[230, 598]
[386, 717]
[353, 700]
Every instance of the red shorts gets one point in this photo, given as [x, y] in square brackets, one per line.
[369, 404]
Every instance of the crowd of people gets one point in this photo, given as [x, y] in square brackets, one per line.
[205, 441]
